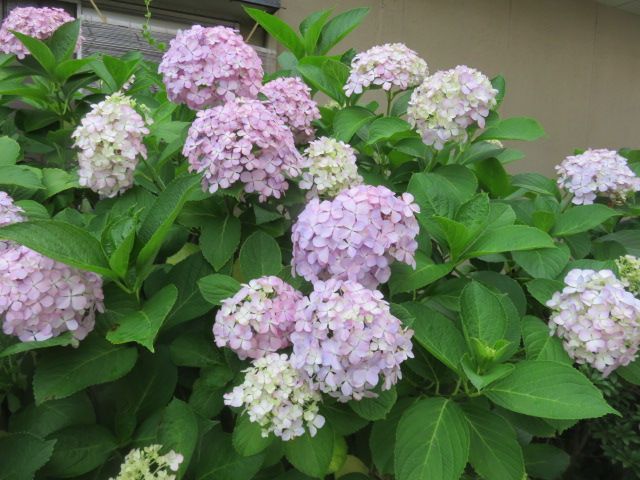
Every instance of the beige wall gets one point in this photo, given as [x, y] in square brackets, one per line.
[572, 64]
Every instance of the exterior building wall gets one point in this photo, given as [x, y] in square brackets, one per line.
[574, 65]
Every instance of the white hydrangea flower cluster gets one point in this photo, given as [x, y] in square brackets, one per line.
[110, 139]
[148, 464]
[629, 271]
[597, 319]
[597, 172]
[450, 101]
[386, 66]
[330, 167]
[277, 398]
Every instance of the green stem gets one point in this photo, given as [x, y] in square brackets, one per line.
[390, 96]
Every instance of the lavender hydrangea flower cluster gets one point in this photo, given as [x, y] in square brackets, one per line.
[597, 319]
[206, 66]
[597, 172]
[258, 319]
[276, 397]
[242, 140]
[355, 236]
[346, 340]
[448, 102]
[38, 23]
[41, 298]
[330, 167]
[148, 464]
[629, 272]
[290, 99]
[386, 66]
[110, 139]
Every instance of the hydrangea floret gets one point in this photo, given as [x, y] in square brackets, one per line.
[258, 319]
[110, 139]
[597, 173]
[244, 141]
[348, 342]
[355, 236]
[629, 272]
[148, 463]
[330, 167]
[290, 99]
[41, 298]
[278, 398]
[205, 66]
[448, 102]
[38, 23]
[597, 319]
[386, 66]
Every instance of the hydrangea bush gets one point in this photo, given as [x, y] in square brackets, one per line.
[205, 273]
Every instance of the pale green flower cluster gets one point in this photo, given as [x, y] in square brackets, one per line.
[629, 272]
[148, 464]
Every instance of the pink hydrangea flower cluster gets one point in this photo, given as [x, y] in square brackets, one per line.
[278, 398]
[355, 236]
[258, 319]
[242, 140]
[39, 23]
[290, 99]
[597, 319]
[386, 66]
[330, 167]
[448, 102]
[347, 341]
[597, 172]
[208, 65]
[110, 139]
[41, 298]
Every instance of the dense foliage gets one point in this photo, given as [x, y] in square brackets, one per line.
[271, 289]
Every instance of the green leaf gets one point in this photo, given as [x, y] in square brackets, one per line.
[631, 373]
[311, 27]
[247, 437]
[629, 239]
[550, 390]
[509, 238]
[542, 289]
[23, 454]
[61, 241]
[544, 262]
[523, 128]
[20, 176]
[143, 326]
[404, 278]
[190, 303]
[581, 219]
[49, 417]
[259, 256]
[9, 151]
[479, 151]
[193, 349]
[539, 344]
[56, 180]
[64, 40]
[220, 239]
[432, 441]
[156, 224]
[39, 50]
[495, 451]
[80, 450]
[480, 381]
[384, 128]
[485, 317]
[375, 408]
[493, 177]
[498, 82]
[63, 372]
[278, 29]
[21, 347]
[326, 75]
[217, 287]
[383, 436]
[311, 455]
[348, 121]
[225, 463]
[545, 461]
[339, 27]
[535, 182]
[438, 335]
[178, 431]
